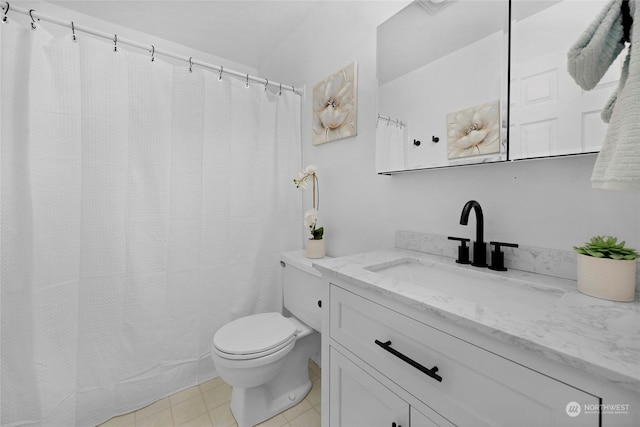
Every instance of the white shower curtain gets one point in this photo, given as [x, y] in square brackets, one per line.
[142, 207]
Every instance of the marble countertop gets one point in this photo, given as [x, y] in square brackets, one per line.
[593, 335]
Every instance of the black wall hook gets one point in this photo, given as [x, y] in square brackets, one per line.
[73, 32]
[435, 139]
[33, 21]
[6, 10]
[220, 75]
[115, 42]
[191, 64]
[153, 52]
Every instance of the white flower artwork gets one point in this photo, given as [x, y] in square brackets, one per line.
[474, 131]
[335, 106]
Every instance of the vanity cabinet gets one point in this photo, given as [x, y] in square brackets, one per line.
[384, 366]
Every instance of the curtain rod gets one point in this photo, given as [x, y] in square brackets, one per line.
[6, 7]
[398, 122]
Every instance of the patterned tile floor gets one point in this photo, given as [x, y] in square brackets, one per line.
[207, 405]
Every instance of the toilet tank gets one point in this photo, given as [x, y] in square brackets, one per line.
[302, 288]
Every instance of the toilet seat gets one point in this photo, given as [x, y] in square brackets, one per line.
[254, 336]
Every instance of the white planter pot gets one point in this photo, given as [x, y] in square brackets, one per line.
[610, 279]
[315, 249]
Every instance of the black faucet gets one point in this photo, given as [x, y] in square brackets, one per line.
[479, 246]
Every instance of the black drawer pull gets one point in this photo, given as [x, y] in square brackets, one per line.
[431, 372]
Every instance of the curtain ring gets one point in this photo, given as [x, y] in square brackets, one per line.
[73, 32]
[190, 64]
[33, 21]
[293, 89]
[153, 52]
[247, 83]
[220, 75]
[6, 10]
[115, 42]
[266, 84]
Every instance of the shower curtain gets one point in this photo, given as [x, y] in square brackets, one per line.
[143, 206]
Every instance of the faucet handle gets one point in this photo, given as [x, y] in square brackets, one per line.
[497, 256]
[463, 250]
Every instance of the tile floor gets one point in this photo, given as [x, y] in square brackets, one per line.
[207, 405]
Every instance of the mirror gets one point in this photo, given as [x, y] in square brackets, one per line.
[442, 85]
[444, 78]
[550, 115]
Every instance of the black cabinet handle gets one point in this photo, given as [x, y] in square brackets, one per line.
[431, 372]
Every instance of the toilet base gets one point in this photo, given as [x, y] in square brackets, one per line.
[251, 406]
[261, 406]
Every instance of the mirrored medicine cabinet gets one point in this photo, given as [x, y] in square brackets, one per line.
[480, 81]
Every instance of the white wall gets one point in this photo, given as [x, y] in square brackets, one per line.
[545, 203]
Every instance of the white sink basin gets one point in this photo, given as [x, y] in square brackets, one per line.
[485, 289]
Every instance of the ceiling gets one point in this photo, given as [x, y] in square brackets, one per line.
[244, 31]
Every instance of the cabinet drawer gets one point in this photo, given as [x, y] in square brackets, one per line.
[471, 386]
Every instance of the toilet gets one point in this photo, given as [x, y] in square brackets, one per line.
[265, 356]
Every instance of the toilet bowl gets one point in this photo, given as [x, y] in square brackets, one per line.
[264, 357]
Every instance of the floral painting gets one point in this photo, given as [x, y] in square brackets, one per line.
[335, 105]
[474, 131]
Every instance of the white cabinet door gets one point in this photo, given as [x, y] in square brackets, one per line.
[357, 399]
[418, 419]
[549, 113]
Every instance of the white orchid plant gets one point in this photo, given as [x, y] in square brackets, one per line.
[310, 174]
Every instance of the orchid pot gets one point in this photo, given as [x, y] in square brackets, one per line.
[315, 249]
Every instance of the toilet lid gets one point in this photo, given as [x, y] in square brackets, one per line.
[254, 334]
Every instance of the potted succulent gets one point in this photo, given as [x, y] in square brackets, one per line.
[315, 245]
[607, 269]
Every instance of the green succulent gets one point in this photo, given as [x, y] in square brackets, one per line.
[606, 247]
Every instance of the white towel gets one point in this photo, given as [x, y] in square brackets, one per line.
[391, 142]
[618, 164]
[600, 44]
